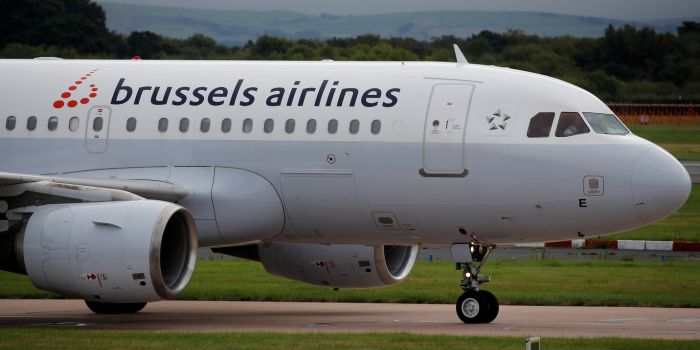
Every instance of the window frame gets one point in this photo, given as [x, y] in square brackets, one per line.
[205, 125]
[131, 124]
[354, 127]
[32, 121]
[247, 126]
[333, 126]
[52, 123]
[73, 124]
[290, 125]
[163, 124]
[530, 131]
[226, 125]
[378, 129]
[10, 123]
[98, 124]
[269, 126]
[311, 126]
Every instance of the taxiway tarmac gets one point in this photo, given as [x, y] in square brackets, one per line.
[215, 316]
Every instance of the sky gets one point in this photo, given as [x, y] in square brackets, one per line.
[618, 9]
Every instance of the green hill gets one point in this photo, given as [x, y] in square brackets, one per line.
[237, 27]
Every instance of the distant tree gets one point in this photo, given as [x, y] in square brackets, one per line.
[625, 64]
[147, 45]
[78, 24]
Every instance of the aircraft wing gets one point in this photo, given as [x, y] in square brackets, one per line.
[13, 184]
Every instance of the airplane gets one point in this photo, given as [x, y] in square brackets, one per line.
[330, 173]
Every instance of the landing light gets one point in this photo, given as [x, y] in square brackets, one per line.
[468, 275]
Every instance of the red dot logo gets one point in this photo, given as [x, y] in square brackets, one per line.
[91, 92]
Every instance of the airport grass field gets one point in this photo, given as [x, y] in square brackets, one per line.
[683, 141]
[542, 282]
[44, 338]
[684, 225]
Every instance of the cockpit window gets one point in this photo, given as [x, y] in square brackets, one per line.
[570, 124]
[540, 125]
[603, 123]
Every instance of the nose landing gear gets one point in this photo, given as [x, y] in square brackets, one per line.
[474, 305]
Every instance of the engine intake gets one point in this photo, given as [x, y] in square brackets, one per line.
[111, 252]
[336, 266]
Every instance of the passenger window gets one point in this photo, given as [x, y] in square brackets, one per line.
[97, 124]
[226, 125]
[332, 126]
[289, 126]
[311, 126]
[376, 126]
[570, 124]
[53, 123]
[10, 123]
[354, 126]
[540, 124]
[131, 124]
[247, 125]
[184, 124]
[31, 123]
[163, 124]
[74, 124]
[268, 126]
[205, 125]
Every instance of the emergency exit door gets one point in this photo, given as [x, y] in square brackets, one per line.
[97, 131]
[445, 125]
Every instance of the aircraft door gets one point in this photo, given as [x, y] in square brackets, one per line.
[445, 124]
[97, 131]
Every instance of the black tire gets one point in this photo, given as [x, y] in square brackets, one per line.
[492, 303]
[471, 307]
[114, 308]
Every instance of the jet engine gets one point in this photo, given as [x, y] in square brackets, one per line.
[335, 266]
[111, 252]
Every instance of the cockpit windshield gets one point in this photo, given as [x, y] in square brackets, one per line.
[606, 124]
[570, 124]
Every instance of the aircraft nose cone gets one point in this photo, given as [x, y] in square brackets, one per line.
[660, 185]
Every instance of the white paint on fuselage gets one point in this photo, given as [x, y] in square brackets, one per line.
[517, 188]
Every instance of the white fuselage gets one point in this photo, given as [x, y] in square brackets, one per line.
[413, 153]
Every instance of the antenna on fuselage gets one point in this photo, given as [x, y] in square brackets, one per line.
[459, 55]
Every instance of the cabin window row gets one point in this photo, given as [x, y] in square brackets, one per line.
[11, 123]
[268, 125]
[204, 125]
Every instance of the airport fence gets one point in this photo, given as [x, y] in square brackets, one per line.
[657, 114]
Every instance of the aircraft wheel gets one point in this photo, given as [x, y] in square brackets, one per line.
[492, 303]
[471, 307]
[114, 308]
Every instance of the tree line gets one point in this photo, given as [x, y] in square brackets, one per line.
[626, 64]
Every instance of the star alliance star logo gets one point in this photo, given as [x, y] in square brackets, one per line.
[498, 120]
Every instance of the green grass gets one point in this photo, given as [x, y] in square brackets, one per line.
[547, 282]
[684, 225]
[683, 141]
[46, 338]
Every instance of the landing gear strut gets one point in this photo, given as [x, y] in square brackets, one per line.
[474, 305]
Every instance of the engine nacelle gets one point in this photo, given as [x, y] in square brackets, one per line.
[339, 266]
[112, 252]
